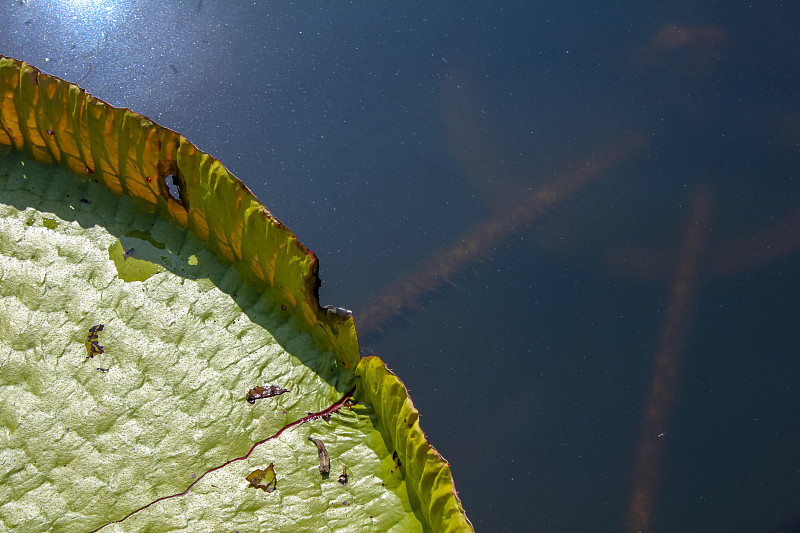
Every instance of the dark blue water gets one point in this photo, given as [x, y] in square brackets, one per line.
[383, 133]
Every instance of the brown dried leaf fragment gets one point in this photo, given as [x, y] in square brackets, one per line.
[324, 458]
[256, 393]
[257, 478]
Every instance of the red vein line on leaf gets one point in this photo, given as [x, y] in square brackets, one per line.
[311, 416]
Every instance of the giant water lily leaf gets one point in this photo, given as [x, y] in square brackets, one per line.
[164, 361]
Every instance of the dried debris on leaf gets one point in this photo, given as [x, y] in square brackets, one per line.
[256, 393]
[93, 341]
[324, 458]
[263, 479]
[344, 477]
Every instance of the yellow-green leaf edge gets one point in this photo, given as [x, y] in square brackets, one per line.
[54, 121]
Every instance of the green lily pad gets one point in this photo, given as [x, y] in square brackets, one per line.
[144, 424]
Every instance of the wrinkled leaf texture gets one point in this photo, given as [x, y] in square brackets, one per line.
[108, 218]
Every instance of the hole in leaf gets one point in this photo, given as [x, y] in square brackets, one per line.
[172, 187]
